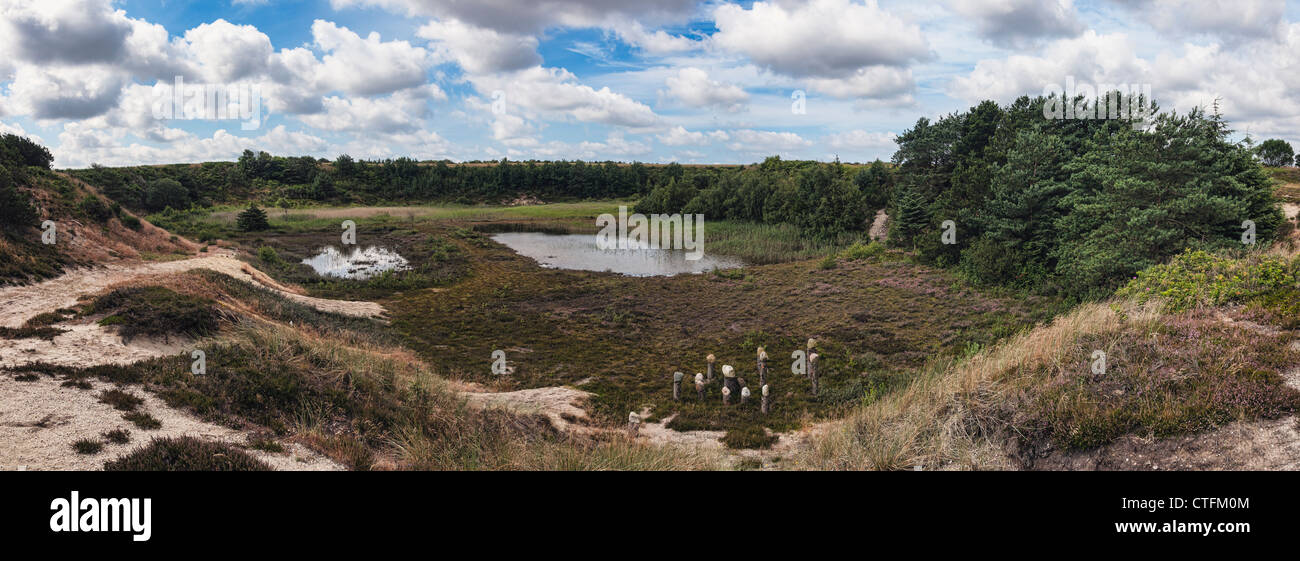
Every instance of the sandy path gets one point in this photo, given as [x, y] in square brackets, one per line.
[18, 303]
[562, 405]
[40, 420]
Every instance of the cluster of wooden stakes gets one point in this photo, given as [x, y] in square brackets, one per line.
[732, 385]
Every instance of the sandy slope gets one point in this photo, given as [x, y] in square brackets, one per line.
[18, 303]
[39, 420]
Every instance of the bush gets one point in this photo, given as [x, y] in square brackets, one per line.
[87, 446]
[121, 400]
[143, 420]
[860, 250]
[165, 193]
[186, 454]
[154, 310]
[130, 221]
[117, 436]
[16, 212]
[96, 209]
[749, 437]
[1199, 278]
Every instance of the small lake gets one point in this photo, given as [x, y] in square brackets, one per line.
[579, 252]
[356, 263]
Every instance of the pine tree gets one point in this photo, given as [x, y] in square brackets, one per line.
[252, 219]
[911, 216]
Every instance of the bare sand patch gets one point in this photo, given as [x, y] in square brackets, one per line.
[40, 419]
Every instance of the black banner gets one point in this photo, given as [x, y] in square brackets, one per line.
[324, 510]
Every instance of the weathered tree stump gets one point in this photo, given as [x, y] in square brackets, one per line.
[677, 386]
[765, 405]
[633, 424]
[812, 371]
[709, 376]
[699, 385]
[744, 395]
[729, 379]
[762, 366]
[808, 352]
[726, 395]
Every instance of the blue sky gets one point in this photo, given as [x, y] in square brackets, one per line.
[673, 80]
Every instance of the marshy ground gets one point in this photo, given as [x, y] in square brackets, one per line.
[876, 318]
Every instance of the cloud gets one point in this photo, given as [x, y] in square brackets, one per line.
[226, 52]
[1089, 58]
[823, 38]
[481, 50]
[65, 31]
[535, 15]
[766, 142]
[81, 145]
[1229, 21]
[1021, 23]
[402, 112]
[679, 136]
[556, 93]
[65, 92]
[367, 66]
[857, 139]
[693, 87]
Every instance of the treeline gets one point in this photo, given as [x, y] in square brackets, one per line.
[1062, 205]
[274, 180]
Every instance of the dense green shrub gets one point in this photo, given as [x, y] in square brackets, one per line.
[95, 209]
[1199, 278]
[186, 454]
[154, 310]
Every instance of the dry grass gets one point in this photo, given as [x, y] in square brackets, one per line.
[1034, 394]
[934, 422]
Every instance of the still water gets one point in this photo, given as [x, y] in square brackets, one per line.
[579, 252]
[356, 263]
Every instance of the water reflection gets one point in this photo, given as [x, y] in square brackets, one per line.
[579, 252]
[356, 263]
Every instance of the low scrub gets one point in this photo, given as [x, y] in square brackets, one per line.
[155, 311]
[1004, 407]
[186, 454]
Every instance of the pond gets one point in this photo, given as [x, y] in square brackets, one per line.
[579, 252]
[356, 263]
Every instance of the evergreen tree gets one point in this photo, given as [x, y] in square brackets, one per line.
[252, 219]
[1139, 197]
[911, 216]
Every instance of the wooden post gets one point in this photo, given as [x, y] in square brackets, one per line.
[812, 372]
[744, 395]
[762, 366]
[677, 386]
[709, 377]
[699, 385]
[765, 406]
[633, 424]
[726, 395]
